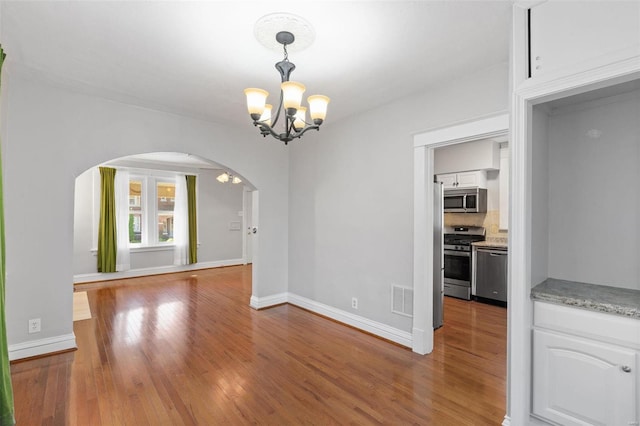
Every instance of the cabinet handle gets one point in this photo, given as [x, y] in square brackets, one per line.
[626, 368]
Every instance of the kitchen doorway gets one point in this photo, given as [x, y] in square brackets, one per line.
[424, 147]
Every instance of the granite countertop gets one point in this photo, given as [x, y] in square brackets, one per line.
[492, 242]
[600, 298]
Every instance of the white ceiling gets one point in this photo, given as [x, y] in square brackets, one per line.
[195, 58]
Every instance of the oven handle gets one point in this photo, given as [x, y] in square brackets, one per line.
[457, 253]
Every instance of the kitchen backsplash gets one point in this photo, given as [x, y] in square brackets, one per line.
[489, 220]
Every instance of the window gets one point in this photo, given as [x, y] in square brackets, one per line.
[135, 211]
[165, 195]
[151, 206]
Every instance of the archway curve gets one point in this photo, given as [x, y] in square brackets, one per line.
[171, 163]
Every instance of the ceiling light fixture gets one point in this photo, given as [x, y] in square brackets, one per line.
[226, 177]
[295, 124]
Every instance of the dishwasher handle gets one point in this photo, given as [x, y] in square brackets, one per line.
[493, 252]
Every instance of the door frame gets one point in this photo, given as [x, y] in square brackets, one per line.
[247, 224]
[424, 145]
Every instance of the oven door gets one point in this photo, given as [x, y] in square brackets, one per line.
[457, 267]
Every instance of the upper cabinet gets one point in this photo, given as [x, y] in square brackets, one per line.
[476, 155]
[475, 179]
[567, 37]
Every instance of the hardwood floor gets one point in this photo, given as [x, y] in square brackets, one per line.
[186, 349]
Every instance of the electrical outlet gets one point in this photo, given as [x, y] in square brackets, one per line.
[354, 302]
[34, 325]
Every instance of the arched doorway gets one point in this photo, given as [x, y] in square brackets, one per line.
[223, 215]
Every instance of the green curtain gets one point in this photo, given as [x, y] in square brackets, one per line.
[193, 224]
[6, 390]
[107, 237]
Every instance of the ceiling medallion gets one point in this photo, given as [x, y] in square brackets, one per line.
[267, 27]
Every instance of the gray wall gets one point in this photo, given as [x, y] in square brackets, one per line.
[217, 204]
[53, 134]
[594, 192]
[351, 195]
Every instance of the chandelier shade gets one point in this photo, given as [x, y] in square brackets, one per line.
[266, 115]
[256, 100]
[300, 118]
[291, 92]
[318, 107]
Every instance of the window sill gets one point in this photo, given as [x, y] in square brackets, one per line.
[144, 249]
[159, 247]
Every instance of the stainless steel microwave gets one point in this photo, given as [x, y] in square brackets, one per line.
[465, 200]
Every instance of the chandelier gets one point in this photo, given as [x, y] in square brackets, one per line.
[295, 121]
[228, 177]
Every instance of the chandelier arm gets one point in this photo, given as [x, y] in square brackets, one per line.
[289, 128]
[303, 131]
[273, 123]
[266, 129]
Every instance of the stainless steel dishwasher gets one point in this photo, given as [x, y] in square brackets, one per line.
[490, 273]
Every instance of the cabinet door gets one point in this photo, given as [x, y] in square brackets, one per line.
[448, 181]
[582, 382]
[565, 34]
[472, 179]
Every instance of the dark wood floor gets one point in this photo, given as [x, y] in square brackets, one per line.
[187, 349]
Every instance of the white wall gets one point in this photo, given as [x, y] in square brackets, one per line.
[351, 196]
[594, 192]
[52, 135]
[539, 198]
[218, 205]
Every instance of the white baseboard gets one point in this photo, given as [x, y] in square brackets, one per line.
[42, 346]
[132, 273]
[506, 421]
[268, 301]
[400, 337]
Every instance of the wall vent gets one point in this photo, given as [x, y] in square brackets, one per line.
[402, 300]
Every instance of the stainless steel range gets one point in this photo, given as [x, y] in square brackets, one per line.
[457, 259]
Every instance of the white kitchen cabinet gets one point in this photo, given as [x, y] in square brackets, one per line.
[476, 155]
[474, 179]
[570, 36]
[581, 380]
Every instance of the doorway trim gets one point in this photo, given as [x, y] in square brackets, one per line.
[423, 167]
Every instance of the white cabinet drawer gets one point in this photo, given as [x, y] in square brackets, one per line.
[594, 325]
